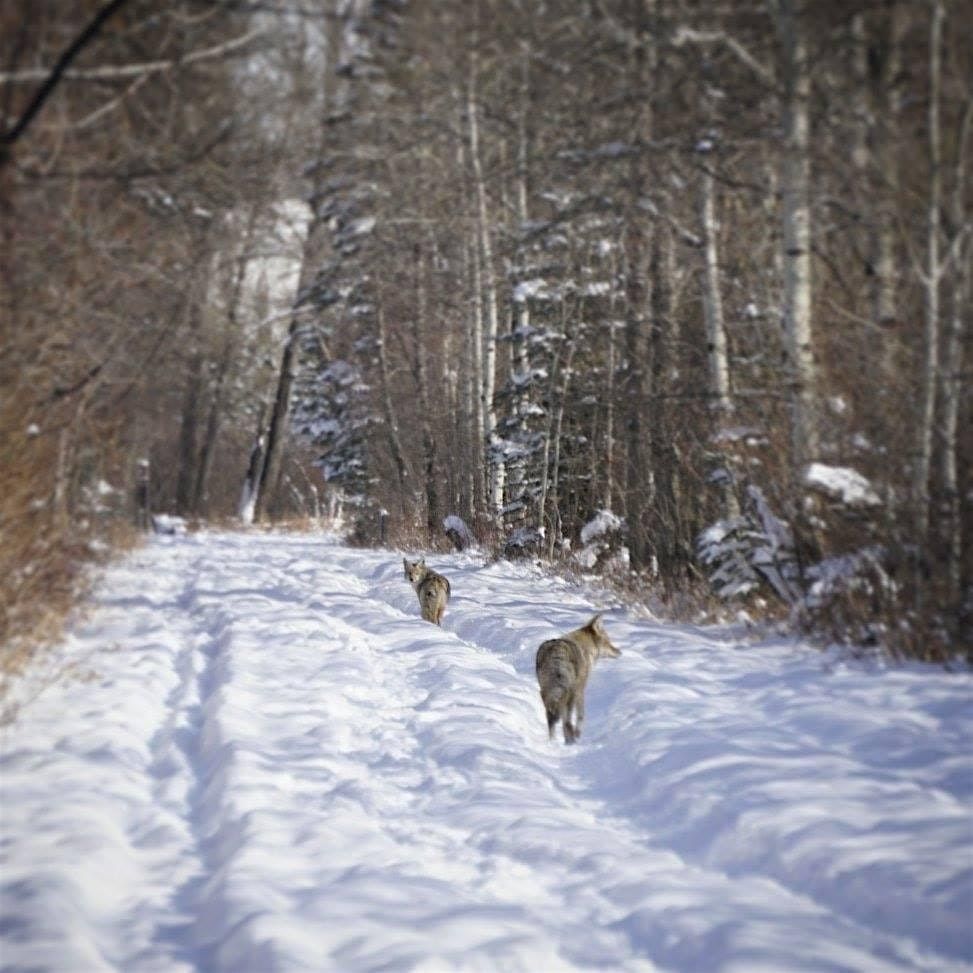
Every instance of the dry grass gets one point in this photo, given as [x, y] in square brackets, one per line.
[45, 552]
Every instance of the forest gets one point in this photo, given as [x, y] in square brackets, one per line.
[673, 292]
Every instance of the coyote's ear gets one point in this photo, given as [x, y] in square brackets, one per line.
[421, 562]
[595, 623]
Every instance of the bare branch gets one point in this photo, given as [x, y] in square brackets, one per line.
[115, 72]
[8, 138]
[689, 35]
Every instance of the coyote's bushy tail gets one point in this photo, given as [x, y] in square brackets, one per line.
[558, 676]
[563, 665]
[430, 598]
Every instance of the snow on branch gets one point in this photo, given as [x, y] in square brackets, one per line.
[843, 484]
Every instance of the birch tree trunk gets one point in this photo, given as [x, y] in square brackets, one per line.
[609, 487]
[495, 465]
[476, 382]
[419, 326]
[520, 317]
[719, 363]
[795, 182]
[962, 296]
[931, 279]
[472, 338]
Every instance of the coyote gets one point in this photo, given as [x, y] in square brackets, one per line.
[563, 666]
[432, 589]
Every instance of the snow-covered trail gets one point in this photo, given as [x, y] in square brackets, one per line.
[264, 760]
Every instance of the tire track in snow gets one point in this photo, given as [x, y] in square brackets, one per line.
[189, 777]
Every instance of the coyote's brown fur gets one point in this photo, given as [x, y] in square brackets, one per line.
[563, 666]
[432, 589]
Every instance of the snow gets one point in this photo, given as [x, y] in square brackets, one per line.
[603, 522]
[536, 288]
[168, 524]
[362, 226]
[455, 527]
[842, 483]
[259, 758]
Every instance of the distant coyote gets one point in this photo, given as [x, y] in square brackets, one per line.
[563, 666]
[431, 588]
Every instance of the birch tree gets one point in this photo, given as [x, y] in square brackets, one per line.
[931, 275]
[953, 364]
[490, 314]
[795, 190]
[718, 356]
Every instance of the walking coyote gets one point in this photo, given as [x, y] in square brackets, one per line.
[563, 666]
[431, 588]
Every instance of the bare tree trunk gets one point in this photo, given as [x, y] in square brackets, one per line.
[719, 362]
[795, 187]
[638, 474]
[389, 414]
[255, 465]
[491, 330]
[670, 548]
[473, 422]
[478, 471]
[277, 428]
[419, 326]
[189, 423]
[883, 59]
[517, 468]
[962, 296]
[554, 535]
[637, 244]
[608, 490]
[931, 279]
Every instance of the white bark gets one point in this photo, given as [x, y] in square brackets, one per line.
[952, 391]
[719, 365]
[519, 357]
[795, 182]
[473, 345]
[931, 278]
[476, 376]
[953, 363]
[491, 321]
[610, 417]
[719, 362]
